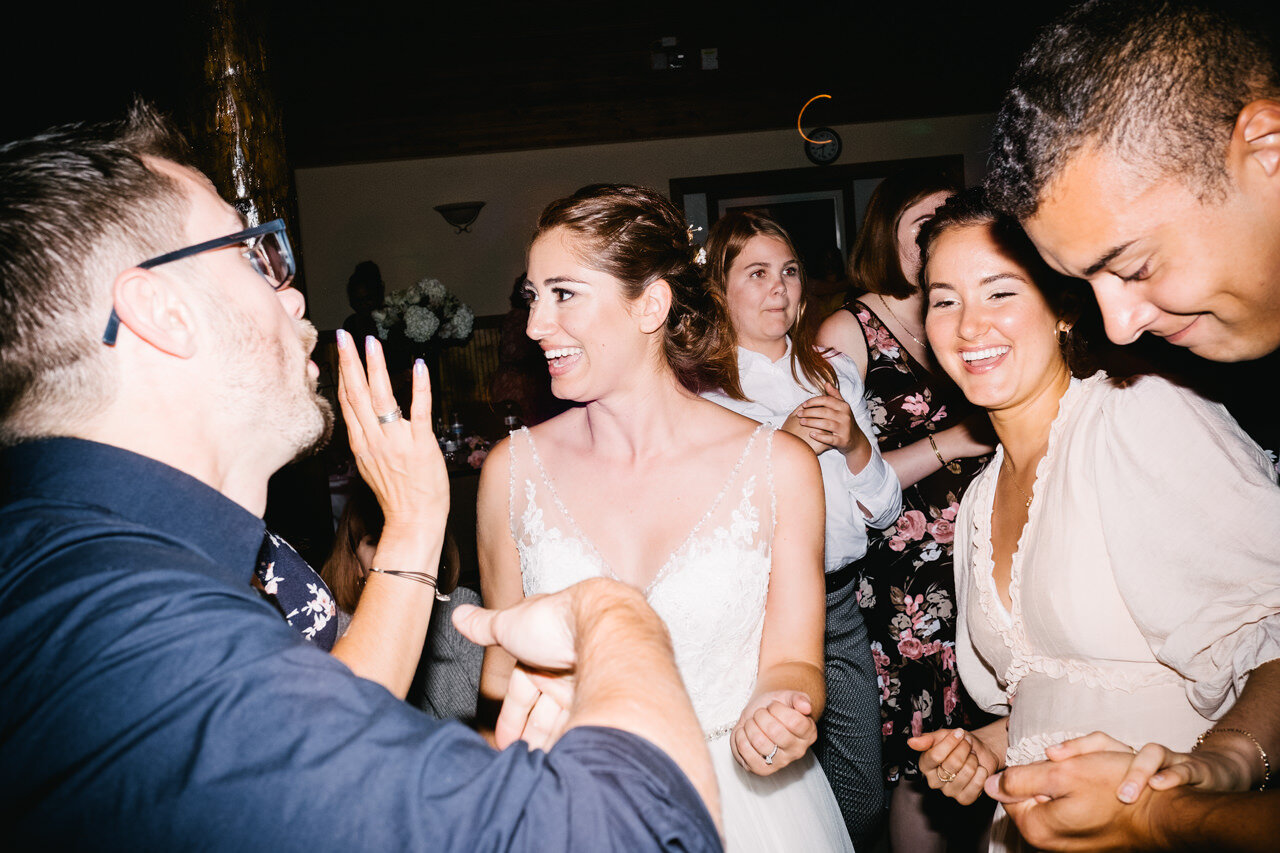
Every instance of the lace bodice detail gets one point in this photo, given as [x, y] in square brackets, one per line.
[710, 591]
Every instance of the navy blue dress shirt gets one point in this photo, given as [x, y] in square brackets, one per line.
[152, 700]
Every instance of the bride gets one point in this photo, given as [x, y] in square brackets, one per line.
[718, 519]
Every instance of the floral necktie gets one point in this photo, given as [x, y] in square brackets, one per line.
[300, 594]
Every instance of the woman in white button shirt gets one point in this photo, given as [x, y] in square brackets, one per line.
[816, 395]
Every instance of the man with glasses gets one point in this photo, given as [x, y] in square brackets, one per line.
[151, 699]
[1140, 148]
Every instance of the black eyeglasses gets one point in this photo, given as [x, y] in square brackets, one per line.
[267, 247]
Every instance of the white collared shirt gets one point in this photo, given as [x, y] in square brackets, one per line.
[773, 394]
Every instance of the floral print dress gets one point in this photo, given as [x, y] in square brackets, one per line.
[906, 585]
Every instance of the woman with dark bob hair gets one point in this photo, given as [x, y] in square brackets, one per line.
[717, 518]
[1116, 561]
[753, 267]
[936, 442]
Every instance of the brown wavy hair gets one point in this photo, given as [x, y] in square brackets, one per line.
[1065, 297]
[728, 237]
[635, 235]
[874, 266]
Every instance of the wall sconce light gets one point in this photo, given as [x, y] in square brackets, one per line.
[460, 215]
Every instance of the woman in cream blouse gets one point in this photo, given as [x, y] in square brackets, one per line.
[1118, 562]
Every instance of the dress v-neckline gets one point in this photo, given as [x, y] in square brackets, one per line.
[665, 567]
[983, 548]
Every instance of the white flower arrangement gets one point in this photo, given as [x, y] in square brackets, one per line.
[425, 312]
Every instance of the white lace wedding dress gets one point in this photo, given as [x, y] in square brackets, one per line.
[711, 593]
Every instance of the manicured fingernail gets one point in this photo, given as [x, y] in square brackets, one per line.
[1158, 778]
[368, 342]
[958, 734]
[343, 338]
[1128, 792]
[419, 367]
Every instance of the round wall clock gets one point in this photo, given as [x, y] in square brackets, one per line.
[822, 146]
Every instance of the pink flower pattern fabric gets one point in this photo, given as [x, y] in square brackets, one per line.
[906, 587]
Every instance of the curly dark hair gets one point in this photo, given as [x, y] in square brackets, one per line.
[637, 236]
[1158, 82]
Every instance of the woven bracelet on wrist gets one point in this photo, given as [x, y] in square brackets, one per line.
[1262, 753]
[420, 577]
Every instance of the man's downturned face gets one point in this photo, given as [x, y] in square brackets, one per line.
[1202, 275]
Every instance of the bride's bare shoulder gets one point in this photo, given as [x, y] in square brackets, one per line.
[716, 416]
[794, 460]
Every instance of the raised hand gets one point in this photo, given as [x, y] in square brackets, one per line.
[775, 729]
[398, 457]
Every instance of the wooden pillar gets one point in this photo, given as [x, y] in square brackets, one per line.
[237, 127]
[238, 140]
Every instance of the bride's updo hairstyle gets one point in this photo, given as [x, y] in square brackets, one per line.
[639, 237]
[1066, 296]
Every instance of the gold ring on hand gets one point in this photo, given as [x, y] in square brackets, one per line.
[945, 775]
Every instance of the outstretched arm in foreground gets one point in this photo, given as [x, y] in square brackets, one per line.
[601, 637]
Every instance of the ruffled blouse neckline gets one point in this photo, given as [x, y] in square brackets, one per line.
[1009, 624]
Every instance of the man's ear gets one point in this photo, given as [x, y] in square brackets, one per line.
[653, 306]
[152, 308]
[1256, 137]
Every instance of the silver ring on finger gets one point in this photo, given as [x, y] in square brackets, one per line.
[391, 416]
[768, 759]
[945, 775]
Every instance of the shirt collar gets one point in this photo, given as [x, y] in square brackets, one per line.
[138, 489]
[751, 358]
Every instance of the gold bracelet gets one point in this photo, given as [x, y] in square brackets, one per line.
[420, 577]
[936, 453]
[1262, 753]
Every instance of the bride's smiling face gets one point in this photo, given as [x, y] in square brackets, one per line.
[581, 319]
[990, 326]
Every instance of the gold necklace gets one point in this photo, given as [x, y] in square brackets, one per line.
[1014, 479]
[885, 303]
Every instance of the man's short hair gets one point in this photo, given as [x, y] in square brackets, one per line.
[1159, 83]
[78, 206]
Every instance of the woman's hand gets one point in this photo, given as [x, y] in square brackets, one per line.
[793, 425]
[1214, 767]
[400, 460]
[830, 422]
[955, 762]
[776, 726]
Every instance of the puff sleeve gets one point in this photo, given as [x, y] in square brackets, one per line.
[1191, 517]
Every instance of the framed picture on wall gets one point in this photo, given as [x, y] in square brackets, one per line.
[820, 208]
[816, 220]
